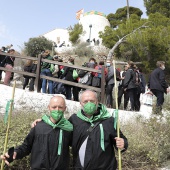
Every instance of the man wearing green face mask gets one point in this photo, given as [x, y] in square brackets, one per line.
[49, 141]
[94, 136]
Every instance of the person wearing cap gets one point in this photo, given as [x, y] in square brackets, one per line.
[49, 141]
[45, 70]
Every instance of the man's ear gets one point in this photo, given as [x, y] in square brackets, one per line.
[65, 109]
[48, 107]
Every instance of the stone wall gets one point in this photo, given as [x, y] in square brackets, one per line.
[26, 101]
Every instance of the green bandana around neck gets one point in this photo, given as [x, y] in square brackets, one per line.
[63, 123]
[104, 114]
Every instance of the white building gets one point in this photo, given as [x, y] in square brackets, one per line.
[59, 36]
[93, 22]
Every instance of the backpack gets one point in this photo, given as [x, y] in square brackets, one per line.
[99, 75]
[59, 88]
[135, 77]
[86, 79]
[52, 68]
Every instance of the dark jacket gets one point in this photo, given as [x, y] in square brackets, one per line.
[95, 157]
[68, 74]
[157, 80]
[28, 69]
[10, 60]
[42, 143]
[129, 81]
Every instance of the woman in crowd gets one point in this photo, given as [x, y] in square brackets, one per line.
[9, 64]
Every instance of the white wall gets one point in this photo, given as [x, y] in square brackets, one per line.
[63, 36]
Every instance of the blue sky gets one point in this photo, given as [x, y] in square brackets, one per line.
[24, 19]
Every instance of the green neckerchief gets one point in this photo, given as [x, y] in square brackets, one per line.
[104, 114]
[63, 124]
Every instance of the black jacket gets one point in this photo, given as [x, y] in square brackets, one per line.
[68, 74]
[10, 60]
[42, 143]
[95, 157]
[157, 80]
[129, 81]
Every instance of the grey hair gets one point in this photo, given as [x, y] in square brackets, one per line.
[159, 63]
[82, 92]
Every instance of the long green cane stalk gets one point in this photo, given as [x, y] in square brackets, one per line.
[118, 123]
[8, 125]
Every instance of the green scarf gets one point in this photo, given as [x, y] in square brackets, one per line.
[63, 124]
[104, 114]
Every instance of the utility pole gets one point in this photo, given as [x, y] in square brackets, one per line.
[127, 9]
[90, 26]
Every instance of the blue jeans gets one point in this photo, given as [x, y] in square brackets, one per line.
[47, 72]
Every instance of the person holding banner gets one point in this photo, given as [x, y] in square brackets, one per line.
[49, 141]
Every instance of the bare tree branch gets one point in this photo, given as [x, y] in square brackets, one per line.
[111, 52]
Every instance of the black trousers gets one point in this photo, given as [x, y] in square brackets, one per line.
[26, 81]
[109, 97]
[159, 95]
[121, 92]
[31, 85]
[132, 97]
[76, 91]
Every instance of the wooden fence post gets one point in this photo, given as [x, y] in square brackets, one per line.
[38, 71]
[103, 85]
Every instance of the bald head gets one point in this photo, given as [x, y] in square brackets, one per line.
[57, 103]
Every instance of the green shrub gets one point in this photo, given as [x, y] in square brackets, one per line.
[20, 126]
[149, 142]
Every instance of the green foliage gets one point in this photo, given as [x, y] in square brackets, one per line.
[20, 126]
[75, 33]
[147, 40]
[153, 6]
[121, 15]
[36, 45]
[149, 143]
[83, 49]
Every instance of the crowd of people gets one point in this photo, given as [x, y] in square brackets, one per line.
[131, 80]
[90, 132]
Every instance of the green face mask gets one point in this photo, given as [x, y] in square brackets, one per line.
[56, 114]
[90, 108]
